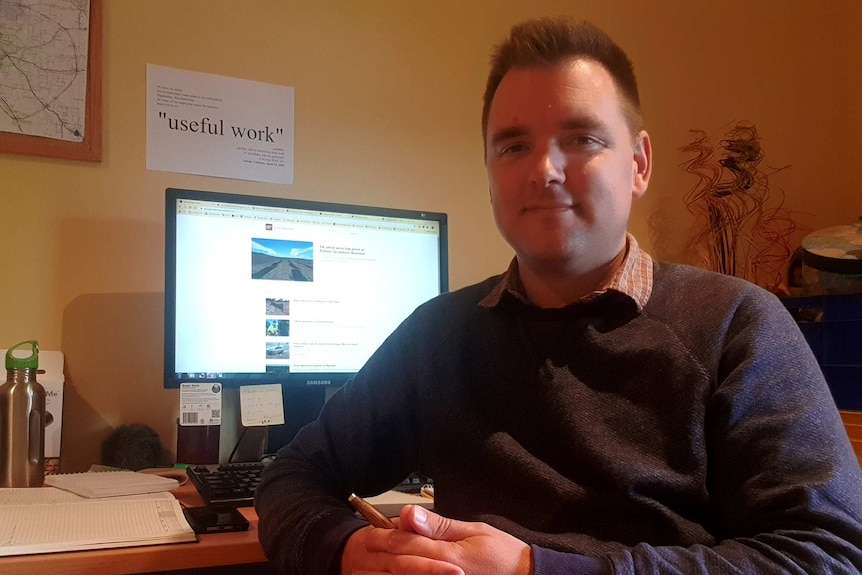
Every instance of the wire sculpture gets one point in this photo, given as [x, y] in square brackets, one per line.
[737, 232]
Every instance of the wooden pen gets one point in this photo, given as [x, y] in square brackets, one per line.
[371, 513]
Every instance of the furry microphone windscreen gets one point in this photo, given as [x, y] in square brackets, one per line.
[132, 446]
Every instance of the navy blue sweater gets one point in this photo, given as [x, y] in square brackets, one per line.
[698, 436]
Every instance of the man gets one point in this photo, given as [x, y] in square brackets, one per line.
[590, 411]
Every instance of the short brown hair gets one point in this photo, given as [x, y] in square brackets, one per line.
[549, 41]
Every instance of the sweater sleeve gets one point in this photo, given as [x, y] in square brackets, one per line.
[303, 526]
[366, 440]
[358, 444]
[550, 562]
[786, 485]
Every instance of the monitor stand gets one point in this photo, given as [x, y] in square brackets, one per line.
[302, 405]
[228, 442]
[198, 443]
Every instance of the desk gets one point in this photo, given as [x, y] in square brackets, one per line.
[215, 550]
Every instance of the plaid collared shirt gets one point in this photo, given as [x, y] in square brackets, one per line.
[633, 278]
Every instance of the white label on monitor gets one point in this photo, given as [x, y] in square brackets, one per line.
[200, 403]
[261, 405]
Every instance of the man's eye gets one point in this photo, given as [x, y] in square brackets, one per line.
[584, 141]
[512, 149]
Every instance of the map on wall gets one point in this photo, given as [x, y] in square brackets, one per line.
[43, 67]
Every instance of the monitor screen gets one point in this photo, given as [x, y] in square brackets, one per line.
[272, 290]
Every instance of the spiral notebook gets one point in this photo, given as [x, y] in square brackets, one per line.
[111, 483]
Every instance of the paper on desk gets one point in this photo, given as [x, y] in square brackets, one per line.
[50, 522]
[30, 496]
[111, 483]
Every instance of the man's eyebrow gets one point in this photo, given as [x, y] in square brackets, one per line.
[506, 134]
[582, 124]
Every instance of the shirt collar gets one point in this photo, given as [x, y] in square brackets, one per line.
[634, 278]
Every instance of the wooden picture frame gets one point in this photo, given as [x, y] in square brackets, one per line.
[90, 147]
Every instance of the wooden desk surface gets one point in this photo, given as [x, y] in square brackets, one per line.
[210, 551]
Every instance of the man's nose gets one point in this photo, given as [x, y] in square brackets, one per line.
[550, 166]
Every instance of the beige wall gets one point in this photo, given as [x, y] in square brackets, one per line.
[387, 112]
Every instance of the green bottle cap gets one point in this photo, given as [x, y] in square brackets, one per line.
[31, 361]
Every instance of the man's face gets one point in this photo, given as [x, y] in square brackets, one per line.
[52, 466]
[563, 166]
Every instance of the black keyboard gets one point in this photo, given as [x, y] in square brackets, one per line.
[227, 484]
[233, 484]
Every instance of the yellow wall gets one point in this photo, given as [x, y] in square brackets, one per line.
[388, 99]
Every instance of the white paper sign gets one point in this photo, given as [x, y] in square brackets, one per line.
[213, 125]
[200, 403]
[261, 405]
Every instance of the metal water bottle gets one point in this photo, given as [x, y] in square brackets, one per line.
[22, 421]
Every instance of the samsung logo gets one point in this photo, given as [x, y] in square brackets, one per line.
[319, 382]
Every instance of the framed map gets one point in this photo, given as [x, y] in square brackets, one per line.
[50, 78]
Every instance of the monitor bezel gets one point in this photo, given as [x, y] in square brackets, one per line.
[292, 380]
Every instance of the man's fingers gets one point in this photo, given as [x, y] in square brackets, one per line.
[427, 523]
[391, 554]
[426, 543]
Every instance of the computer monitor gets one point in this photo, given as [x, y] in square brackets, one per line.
[263, 290]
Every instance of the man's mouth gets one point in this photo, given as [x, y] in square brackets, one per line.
[548, 208]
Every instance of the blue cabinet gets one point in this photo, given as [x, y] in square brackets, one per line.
[832, 325]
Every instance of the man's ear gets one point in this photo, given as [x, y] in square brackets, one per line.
[641, 164]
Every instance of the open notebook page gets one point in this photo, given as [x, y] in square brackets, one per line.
[47, 520]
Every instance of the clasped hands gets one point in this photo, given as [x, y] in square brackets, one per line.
[425, 543]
